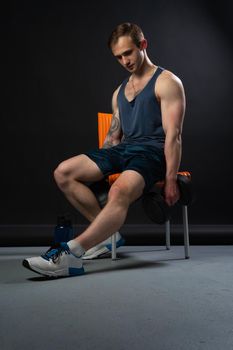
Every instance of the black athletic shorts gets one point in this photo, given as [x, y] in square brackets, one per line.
[149, 161]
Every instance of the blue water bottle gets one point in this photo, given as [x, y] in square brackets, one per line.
[63, 231]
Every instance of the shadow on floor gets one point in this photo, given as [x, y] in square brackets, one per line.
[126, 263]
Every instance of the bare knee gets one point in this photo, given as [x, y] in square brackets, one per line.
[119, 194]
[62, 175]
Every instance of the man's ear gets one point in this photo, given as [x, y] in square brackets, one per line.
[143, 44]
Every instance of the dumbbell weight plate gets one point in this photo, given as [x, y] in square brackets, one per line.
[184, 183]
[155, 207]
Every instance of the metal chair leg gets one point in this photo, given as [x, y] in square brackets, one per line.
[113, 241]
[186, 230]
[168, 234]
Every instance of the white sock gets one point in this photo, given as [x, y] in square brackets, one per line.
[76, 248]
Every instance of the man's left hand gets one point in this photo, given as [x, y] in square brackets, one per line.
[171, 192]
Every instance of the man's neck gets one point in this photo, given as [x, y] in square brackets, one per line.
[146, 68]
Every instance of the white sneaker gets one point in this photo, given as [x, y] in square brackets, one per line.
[103, 248]
[58, 261]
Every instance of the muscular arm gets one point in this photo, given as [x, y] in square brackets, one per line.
[114, 133]
[172, 99]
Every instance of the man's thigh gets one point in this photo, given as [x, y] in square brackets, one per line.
[152, 170]
[81, 168]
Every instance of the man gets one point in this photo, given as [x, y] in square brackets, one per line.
[143, 143]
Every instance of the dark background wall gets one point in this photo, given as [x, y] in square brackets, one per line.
[57, 73]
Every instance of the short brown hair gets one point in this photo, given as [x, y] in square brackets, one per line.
[126, 29]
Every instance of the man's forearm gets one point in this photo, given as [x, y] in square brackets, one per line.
[172, 150]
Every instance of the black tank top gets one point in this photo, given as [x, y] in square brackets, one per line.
[141, 120]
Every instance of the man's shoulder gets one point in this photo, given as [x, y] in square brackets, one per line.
[116, 91]
[168, 84]
[114, 97]
[167, 76]
[167, 81]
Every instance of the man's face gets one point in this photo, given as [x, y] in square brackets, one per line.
[128, 54]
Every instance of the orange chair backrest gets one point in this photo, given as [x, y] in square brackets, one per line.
[104, 122]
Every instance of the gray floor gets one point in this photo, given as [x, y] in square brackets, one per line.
[149, 299]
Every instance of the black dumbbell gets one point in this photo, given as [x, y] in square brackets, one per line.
[185, 186]
[155, 206]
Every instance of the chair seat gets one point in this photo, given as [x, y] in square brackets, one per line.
[112, 178]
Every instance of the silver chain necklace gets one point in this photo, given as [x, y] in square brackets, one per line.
[131, 79]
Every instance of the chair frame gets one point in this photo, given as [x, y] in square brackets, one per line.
[168, 235]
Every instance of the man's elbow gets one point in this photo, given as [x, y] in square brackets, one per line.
[116, 141]
[179, 137]
[174, 135]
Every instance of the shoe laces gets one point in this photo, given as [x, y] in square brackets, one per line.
[55, 252]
